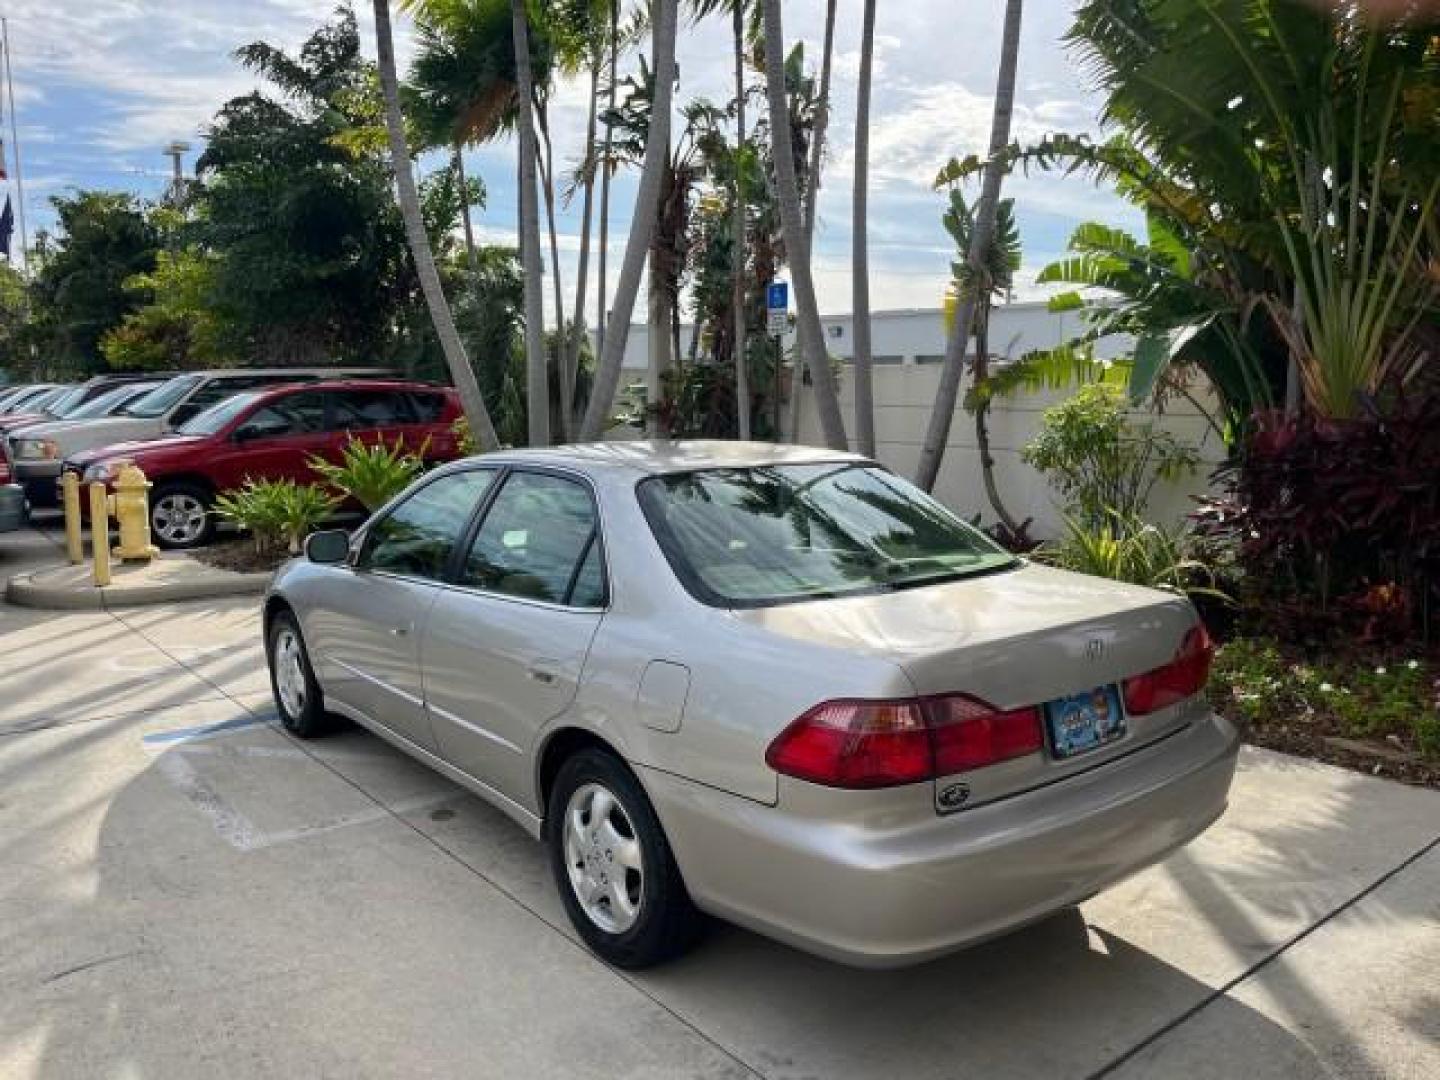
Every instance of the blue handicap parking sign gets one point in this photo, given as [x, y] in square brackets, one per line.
[777, 295]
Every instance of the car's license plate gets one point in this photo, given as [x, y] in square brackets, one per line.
[1082, 722]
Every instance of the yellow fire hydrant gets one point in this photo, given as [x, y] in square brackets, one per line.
[132, 511]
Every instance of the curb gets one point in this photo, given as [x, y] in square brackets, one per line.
[24, 591]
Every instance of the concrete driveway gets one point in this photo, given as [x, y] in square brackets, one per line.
[186, 891]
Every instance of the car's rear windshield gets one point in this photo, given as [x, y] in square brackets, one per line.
[757, 537]
[66, 404]
[218, 415]
[162, 399]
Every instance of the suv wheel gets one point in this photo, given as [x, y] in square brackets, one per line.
[180, 516]
[613, 865]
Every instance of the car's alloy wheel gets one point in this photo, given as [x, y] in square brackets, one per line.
[613, 864]
[179, 517]
[607, 868]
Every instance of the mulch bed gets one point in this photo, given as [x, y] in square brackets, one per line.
[1321, 738]
[240, 556]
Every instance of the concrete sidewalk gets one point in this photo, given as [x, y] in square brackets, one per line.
[189, 891]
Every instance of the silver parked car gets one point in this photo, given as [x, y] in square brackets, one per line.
[775, 684]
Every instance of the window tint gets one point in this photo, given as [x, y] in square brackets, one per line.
[754, 537]
[427, 407]
[160, 400]
[532, 539]
[298, 414]
[361, 410]
[417, 537]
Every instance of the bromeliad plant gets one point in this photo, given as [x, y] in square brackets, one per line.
[372, 474]
[276, 513]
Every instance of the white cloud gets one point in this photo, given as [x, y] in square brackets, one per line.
[103, 86]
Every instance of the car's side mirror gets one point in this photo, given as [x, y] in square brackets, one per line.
[329, 546]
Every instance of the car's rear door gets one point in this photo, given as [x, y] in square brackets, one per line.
[365, 631]
[505, 646]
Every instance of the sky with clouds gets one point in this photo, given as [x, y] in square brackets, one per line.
[101, 87]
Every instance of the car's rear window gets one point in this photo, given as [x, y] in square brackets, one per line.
[757, 537]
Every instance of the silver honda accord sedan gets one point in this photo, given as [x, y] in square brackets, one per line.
[773, 684]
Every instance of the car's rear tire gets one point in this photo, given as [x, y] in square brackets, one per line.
[180, 516]
[298, 698]
[613, 865]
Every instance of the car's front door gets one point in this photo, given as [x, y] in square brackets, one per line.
[505, 646]
[274, 442]
[367, 630]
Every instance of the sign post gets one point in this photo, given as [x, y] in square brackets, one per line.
[777, 321]
[777, 308]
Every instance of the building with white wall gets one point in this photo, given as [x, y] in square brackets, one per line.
[908, 346]
[917, 335]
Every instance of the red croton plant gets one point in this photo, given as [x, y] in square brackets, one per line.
[1336, 524]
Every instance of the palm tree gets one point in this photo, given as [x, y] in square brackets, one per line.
[461, 373]
[860, 269]
[812, 191]
[937, 434]
[642, 226]
[810, 335]
[999, 263]
[612, 66]
[537, 379]
[737, 251]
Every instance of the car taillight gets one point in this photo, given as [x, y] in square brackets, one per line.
[4, 470]
[873, 744]
[1181, 678]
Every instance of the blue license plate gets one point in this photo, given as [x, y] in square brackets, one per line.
[1083, 722]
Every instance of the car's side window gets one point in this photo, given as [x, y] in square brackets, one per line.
[418, 536]
[298, 414]
[533, 540]
[362, 410]
[427, 407]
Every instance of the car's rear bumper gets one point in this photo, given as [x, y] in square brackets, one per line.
[39, 479]
[12, 507]
[892, 885]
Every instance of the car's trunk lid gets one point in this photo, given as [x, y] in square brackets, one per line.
[1019, 637]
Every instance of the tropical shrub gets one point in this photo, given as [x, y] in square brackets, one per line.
[372, 474]
[276, 513]
[1103, 463]
[1127, 548]
[1337, 525]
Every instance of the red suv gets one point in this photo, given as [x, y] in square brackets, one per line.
[271, 434]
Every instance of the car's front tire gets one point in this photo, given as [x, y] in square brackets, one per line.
[298, 698]
[613, 865]
[180, 516]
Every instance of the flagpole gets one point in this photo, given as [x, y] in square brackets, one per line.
[15, 139]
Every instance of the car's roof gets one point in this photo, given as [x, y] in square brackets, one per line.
[666, 456]
[393, 385]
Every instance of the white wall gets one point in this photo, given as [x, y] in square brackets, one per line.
[903, 398]
[914, 335]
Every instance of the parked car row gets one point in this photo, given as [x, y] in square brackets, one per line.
[199, 434]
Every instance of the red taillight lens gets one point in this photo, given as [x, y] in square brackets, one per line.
[970, 734]
[4, 470]
[855, 744]
[871, 744]
[1181, 678]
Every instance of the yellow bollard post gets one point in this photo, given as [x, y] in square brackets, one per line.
[132, 511]
[100, 533]
[70, 498]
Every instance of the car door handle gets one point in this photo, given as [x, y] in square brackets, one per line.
[542, 672]
[400, 631]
